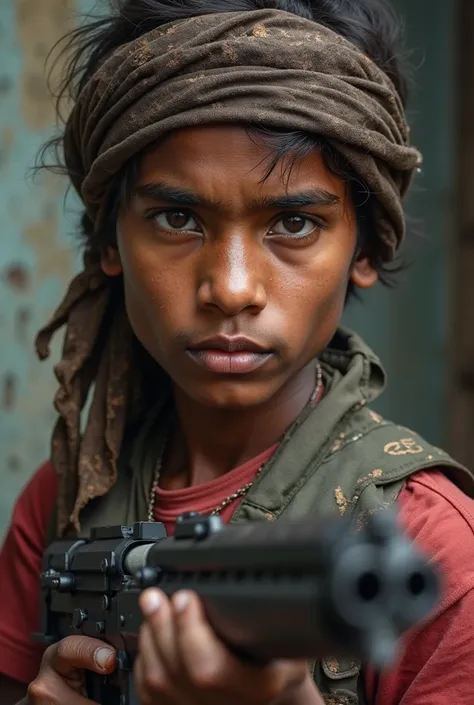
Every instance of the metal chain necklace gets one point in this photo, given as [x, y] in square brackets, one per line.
[235, 495]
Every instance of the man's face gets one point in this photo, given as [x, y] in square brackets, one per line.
[234, 284]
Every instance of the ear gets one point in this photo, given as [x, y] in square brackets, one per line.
[363, 275]
[110, 262]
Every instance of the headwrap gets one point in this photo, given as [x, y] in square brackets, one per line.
[265, 68]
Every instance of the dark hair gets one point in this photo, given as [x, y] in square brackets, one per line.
[369, 24]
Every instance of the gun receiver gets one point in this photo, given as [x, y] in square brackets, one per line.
[302, 589]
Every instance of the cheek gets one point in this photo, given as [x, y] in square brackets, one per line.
[154, 296]
[320, 285]
[316, 297]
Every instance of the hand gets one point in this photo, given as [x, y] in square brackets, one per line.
[181, 661]
[60, 680]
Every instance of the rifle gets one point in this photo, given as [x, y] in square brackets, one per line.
[301, 589]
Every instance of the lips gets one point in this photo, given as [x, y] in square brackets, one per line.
[222, 355]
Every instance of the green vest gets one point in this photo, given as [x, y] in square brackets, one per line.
[338, 458]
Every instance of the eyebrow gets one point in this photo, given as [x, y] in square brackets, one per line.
[160, 191]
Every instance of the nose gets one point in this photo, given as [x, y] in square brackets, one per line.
[232, 277]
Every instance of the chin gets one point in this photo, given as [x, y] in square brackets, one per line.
[231, 395]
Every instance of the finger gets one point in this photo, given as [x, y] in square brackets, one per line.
[76, 653]
[285, 674]
[150, 671]
[212, 666]
[207, 661]
[159, 616]
[50, 689]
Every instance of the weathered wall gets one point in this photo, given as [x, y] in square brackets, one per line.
[36, 252]
[408, 326]
[461, 333]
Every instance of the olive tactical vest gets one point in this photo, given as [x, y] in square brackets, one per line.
[338, 458]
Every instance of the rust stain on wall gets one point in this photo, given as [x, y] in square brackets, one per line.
[40, 25]
[22, 321]
[16, 276]
[8, 392]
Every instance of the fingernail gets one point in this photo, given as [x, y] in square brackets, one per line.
[102, 656]
[150, 602]
[181, 601]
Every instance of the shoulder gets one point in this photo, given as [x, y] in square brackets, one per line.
[396, 451]
[439, 517]
[35, 503]
[20, 567]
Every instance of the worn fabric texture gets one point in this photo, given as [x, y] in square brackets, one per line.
[266, 68]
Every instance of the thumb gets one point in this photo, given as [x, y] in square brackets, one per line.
[81, 652]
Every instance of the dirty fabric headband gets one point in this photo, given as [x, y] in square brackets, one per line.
[267, 68]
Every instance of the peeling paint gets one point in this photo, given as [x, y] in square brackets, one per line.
[40, 25]
[53, 258]
[38, 253]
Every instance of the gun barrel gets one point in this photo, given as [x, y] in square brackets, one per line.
[290, 591]
[302, 589]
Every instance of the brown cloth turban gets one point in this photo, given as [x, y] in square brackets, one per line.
[267, 68]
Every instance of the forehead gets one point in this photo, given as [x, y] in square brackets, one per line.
[216, 158]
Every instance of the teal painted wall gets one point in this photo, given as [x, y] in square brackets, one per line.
[37, 249]
[38, 252]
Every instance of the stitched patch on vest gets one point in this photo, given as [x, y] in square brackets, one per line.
[405, 446]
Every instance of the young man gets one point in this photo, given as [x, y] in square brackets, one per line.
[242, 167]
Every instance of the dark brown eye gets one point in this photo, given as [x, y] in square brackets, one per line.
[296, 226]
[294, 223]
[176, 221]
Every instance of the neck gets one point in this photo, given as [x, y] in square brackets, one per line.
[208, 442]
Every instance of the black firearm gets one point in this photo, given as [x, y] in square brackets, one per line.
[301, 589]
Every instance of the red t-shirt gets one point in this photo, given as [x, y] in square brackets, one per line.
[437, 664]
